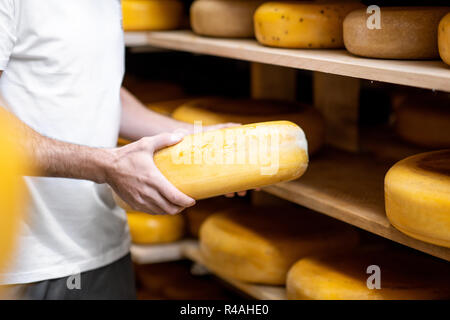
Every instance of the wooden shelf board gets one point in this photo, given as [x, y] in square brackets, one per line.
[350, 188]
[260, 292]
[423, 74]
[156, 253]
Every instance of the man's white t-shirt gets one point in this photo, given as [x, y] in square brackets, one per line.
[63, 64]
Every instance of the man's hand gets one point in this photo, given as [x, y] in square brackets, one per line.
[135, 178]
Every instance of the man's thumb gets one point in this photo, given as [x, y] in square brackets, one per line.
[166, 139]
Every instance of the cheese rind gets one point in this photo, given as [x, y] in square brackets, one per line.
[140, 15]
[405, 33]
[13, 166]
[444, 39]
[153, 229]
[301, 25]
[403, 275]
[224, 18]
[259, 245]
[219, 110]
[218, 162]
[417, 197]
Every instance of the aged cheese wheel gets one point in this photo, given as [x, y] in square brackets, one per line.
[289, 24]
[259, 245]
[166, 107]
[423, 120]
[13, 165]
[444, 39]
[245, 111]
[406, 33]
[151, 229]
[403, 275]
[218, 162]
[224, 18]
[141, 15]
[196, 215]
[417, 195]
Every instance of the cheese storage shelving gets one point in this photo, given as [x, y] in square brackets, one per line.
[352, 193]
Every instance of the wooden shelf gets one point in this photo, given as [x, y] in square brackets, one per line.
[156, 253]
[350, 188]
[423, 74]
[260, 292]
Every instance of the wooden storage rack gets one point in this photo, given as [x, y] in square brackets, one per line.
[345, 186]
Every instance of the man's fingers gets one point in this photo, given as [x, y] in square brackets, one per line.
[165, 207]
[163, 140]
[171, 193]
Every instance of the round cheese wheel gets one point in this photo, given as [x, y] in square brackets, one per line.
[444, 39]
[417, 197]
[213, 163]
[151, 229]
[139, 15]
[196, 215]
[423, 120]
[289, 24]
[259, 245]
[12, 188]
[219, 110]
[224, 18]
[403, 275]
[406, 33]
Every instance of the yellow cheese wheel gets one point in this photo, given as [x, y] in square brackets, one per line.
[139, 15]
[224, 18]
[417, 195]
[423, 120]
[245, 111]
[406, 33]
[259, 245]
[218, 162]
[289, 24]
[403, 275]
[13, 165]
[151, 229]
[196, 215]
[166, 107]
[444, 39]
[122, 142]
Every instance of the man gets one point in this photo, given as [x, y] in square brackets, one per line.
[61, 68]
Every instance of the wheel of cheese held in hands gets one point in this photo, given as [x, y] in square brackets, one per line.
[417, 196]
[224, 18]
[152, 229]
[423, 120]
[13, 167]
[139, 15]
[289, 24]
[219, 110]
[405, 33]
[403, 275]
[213, 163]
[259, 245]
[444, 39]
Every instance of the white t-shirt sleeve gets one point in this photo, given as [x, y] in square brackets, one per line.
[7, 31]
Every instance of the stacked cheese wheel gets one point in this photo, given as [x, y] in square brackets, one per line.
[220, 110]
[218, 162]
[402, 275]
[141, 15]
[12, 189]
[259, 245]
[404, 33]
[196, 215]
[153, 229]
[417, 197]
[289, 24]
[423, 119]
[224, 18]
[444, 38]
